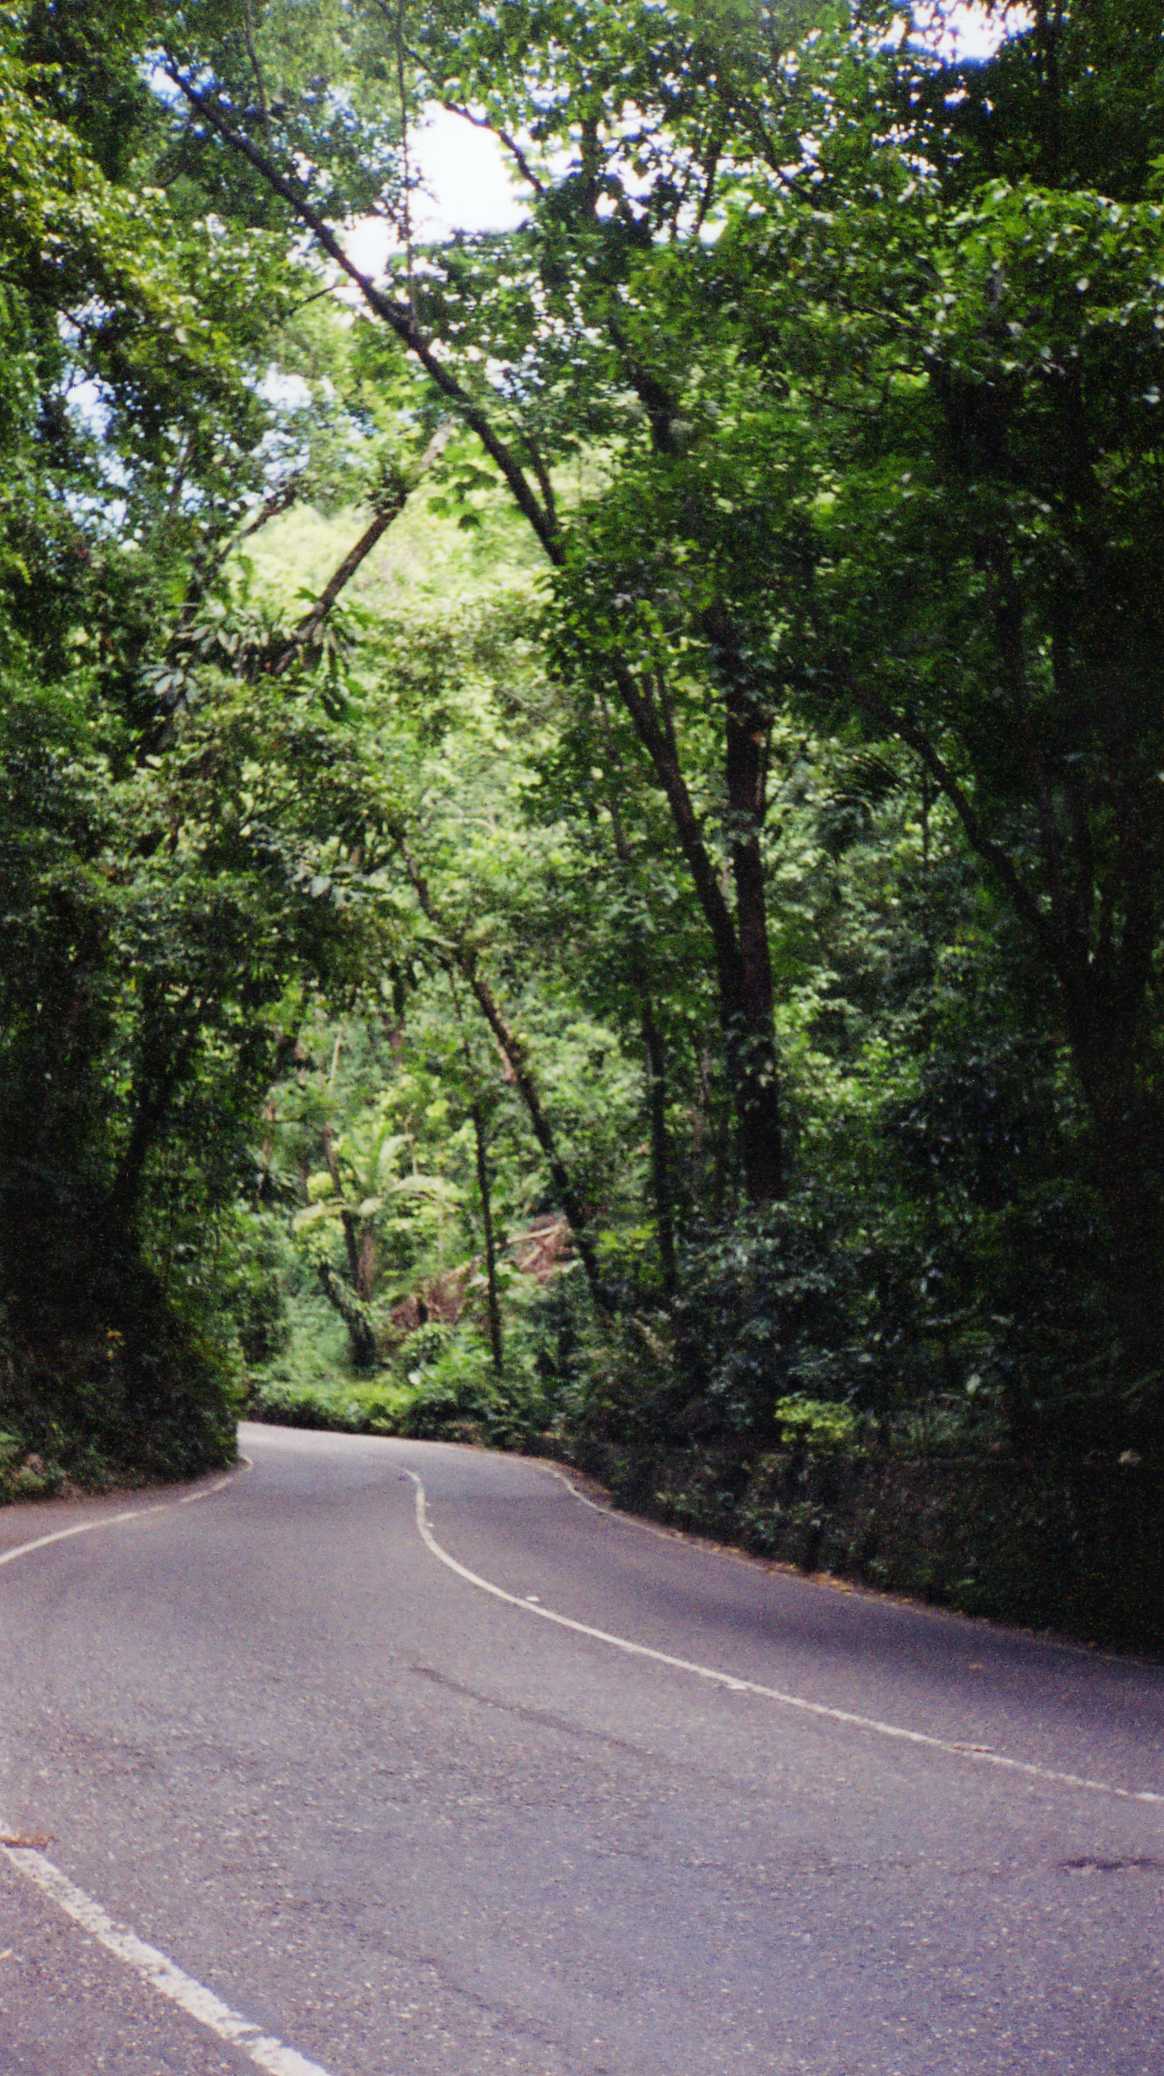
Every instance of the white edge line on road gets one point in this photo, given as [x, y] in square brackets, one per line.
[735, 1685]
[162, 1974]
[895, 1603]
[154, 1967]
[160, 1506]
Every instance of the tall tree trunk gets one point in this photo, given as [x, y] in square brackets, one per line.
[747, 730]
[347, 1222]
[739, 943]
[163, 1071]
[309, 627]
[484, 1191]
[654, 1051]
[751, 1037]
[1127, 1164]
[656, 1060]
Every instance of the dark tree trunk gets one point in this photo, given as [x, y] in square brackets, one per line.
[1128, 1167]
[309, 628]
[656, 1060]
[752, 1046]
[347, 1222]
[484, 1191]
[361, 1339]
[654, 1051]
[740, 946]
[164, 1069]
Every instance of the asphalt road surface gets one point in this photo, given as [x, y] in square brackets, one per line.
[323, 1772]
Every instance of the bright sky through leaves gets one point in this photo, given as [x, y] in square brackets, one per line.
[467, 180]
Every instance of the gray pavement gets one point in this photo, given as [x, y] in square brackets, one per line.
[411, 1829]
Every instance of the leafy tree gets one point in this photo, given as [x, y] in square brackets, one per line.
[977, 549]
[546, 316]
[177, 845]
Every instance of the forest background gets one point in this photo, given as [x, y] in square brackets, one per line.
[582, 855]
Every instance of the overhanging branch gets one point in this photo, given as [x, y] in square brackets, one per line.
[397, 316]
[1002, 865]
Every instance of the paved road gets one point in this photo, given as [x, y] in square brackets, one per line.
[399, 1825]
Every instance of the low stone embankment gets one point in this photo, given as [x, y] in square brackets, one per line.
[1075, 1546]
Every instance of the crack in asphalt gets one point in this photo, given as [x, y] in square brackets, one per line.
[544, 1717]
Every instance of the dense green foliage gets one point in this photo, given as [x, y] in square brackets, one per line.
[652, 931]
[161, 818]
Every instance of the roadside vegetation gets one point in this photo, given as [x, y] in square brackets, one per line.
[581, 828]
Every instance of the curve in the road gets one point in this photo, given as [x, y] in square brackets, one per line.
[270, 2054]
[980, 1754]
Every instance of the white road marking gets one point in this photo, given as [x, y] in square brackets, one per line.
[154, 1967]
[162, 1974]
[162, 1506]
[899, 1603]
[733, 1684]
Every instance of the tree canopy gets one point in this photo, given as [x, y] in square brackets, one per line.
[641, 727]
